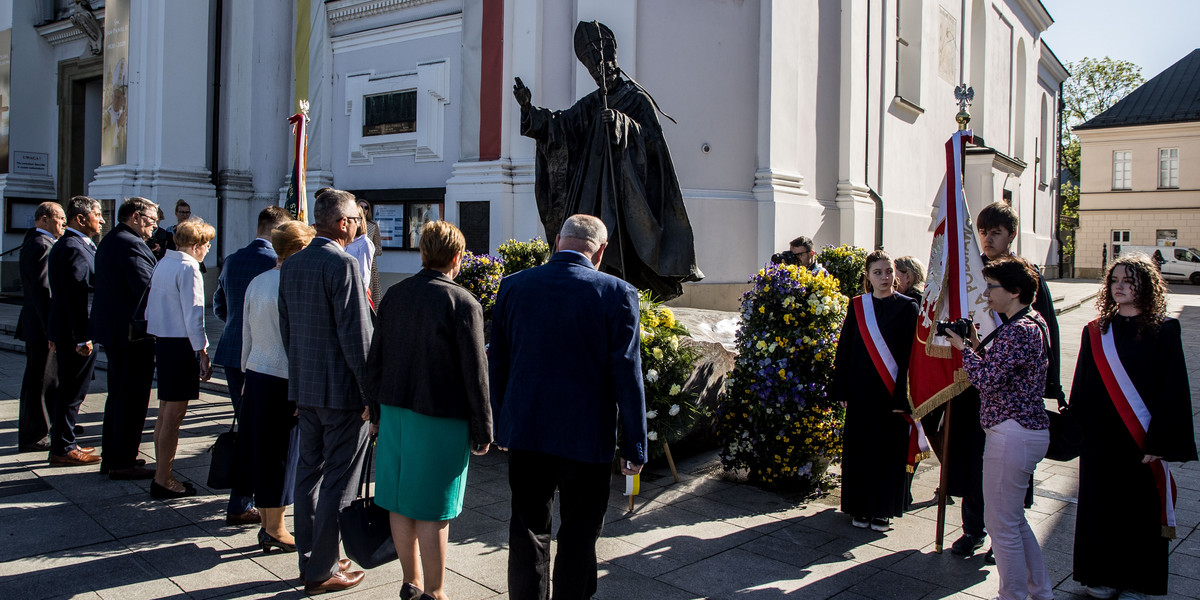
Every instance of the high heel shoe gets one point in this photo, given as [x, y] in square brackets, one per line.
[266, 541]
[159, 492]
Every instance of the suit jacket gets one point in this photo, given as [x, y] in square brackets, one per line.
[427, 354]
[240, 269]
[124, 264]
[565, 363]
[72, 272]
[35, 284]
[325, 323]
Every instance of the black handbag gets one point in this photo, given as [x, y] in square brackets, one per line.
[220, 468]
[366, 528]
[1066, 434]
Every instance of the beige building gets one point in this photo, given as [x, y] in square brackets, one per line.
[1140, 163]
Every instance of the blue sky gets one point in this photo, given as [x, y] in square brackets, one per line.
[1152, 34]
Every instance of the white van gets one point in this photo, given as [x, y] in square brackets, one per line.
[1178, 263]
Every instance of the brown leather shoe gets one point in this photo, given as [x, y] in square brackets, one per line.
[247, 518]
[344, 564]
[86, 449]
[74, 458]
[342, 580]
[131, 473]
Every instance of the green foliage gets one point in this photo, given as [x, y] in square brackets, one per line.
[846, 264]
[775, 420]
[480, 274]
[1093, 87]
[671, 410]
[519, 256]
[1069, 220]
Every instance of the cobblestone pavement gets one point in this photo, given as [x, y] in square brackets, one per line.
[71, 533]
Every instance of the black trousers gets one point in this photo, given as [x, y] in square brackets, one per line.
[583, 495]
[130, 375]
[39, 387]
[74, 380]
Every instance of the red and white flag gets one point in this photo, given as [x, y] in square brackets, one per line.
[297, 194]
[953, 290]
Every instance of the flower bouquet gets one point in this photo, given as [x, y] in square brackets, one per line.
[671, 411]
[480, 274]
[518, 256]
[846, 263]
[774, 421]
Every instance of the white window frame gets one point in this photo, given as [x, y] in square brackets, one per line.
[1122, 170]
[1168, 168]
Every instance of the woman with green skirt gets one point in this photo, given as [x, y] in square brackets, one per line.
[428, 371]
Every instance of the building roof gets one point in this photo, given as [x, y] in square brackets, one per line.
[1172, 96]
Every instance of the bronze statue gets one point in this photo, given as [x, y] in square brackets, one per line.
[606, 156]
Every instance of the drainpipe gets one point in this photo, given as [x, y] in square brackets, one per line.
[867, 146]
[215, 123]
[1058, 199]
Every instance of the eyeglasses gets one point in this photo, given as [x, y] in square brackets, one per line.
[355, 219]
[992, 286]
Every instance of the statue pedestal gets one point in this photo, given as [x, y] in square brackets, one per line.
[712, 334]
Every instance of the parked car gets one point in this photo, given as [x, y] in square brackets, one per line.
[1177, 263]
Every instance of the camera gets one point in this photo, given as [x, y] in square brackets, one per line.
[786, 257]
[960, 327]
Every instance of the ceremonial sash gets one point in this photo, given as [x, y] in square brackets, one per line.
[868, 328]
[918, 446]
[1134, 414]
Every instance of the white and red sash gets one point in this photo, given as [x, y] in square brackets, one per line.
[868, 328]
[1134, 414]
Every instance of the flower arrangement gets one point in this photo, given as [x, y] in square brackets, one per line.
[519, 256]
[774, 420]
[846, 264]
[480, 274]
[671, 411]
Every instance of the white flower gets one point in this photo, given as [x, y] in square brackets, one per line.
[652, 436]
[674, 409]
[675, 389]
[651, 375]
[650, 414]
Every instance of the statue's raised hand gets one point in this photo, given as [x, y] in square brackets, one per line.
[522, 93]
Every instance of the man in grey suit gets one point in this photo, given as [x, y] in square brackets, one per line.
[325, 322]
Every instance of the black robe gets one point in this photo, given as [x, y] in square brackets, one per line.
[875, 481]
[1118, 529]
[627, 180]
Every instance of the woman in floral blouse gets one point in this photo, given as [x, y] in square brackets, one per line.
[1010, 374]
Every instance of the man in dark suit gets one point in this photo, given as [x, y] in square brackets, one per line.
[565, 369]
[124, 264]
[40, 383]
[71, 273]
[325, 322]
[239, 270]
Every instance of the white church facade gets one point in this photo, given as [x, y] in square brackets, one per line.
[824, 118]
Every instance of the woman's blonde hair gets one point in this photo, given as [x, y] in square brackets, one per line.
[291, 237]
[193, 232]
[910, 265]
[440, 242]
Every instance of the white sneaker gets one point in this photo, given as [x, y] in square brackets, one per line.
[881, 524]
[1131, 595]
[860, 523]
[1101, 591]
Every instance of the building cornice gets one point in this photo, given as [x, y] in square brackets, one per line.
[1050, 61]
[402, 32]
[350, 10]
[63, 31]
[1037, 14]
[1132, 132]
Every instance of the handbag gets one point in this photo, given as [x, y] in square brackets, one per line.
[220, 468]
[1066, 434]
[366, 527]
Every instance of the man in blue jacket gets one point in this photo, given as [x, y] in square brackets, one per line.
[239, 270]
[565, 369]
[40, 383]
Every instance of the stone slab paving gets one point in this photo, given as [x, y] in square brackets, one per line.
[71, 533]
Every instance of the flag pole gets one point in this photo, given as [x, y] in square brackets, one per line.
[963, 95]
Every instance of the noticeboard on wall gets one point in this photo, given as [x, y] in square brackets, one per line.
[400, 213]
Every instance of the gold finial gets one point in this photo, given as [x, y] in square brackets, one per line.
[964, 95]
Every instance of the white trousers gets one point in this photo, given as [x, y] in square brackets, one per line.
[1009, 457]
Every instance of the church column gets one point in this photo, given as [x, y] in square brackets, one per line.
[30, 109]
[856, 210]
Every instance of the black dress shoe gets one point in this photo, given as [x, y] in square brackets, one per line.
[247, 518]
[267, 541]
[159, 492]
[131, 473]
[967, 545]
[410, 592]
[78, 430]
[104, 468]
[42, 445]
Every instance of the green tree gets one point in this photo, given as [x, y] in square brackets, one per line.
[1093, 87]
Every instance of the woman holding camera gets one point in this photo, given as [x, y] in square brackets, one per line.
[1131, 364]
[1009, 370]
[869, 380]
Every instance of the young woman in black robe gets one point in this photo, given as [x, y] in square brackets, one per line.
[1120, 540]
[875, 481]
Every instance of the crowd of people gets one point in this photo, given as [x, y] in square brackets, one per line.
[1130, 394]
[324, 371]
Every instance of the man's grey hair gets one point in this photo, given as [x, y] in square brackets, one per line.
[133, 206]
[331, 205]
[81, 205]
[46, 209]
[586, 228]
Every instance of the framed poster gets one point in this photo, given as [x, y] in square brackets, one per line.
[18, 214]
[400, 213]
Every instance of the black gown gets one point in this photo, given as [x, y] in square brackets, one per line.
[875, 481]
[1118, 529]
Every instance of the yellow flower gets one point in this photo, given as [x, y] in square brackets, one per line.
[658, 353]
[666, 317]
[782, 374]
[762, 309]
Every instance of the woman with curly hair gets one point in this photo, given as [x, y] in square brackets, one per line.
[1131, 395]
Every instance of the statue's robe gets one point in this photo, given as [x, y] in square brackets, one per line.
[625, 178]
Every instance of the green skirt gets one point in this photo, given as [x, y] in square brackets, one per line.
[421, 464]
